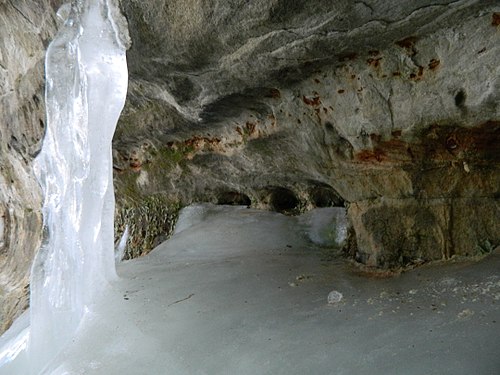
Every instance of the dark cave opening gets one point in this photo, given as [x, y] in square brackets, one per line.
[233, 198]
[325, 196]
[283, 200]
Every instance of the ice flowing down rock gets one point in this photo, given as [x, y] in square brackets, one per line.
[326, 226]
[87, 78]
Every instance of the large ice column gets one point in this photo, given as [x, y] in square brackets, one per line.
[87, 79]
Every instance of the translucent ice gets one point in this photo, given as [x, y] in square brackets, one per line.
[86, 85]
[13, 343]
[121, 246]
[326, 226]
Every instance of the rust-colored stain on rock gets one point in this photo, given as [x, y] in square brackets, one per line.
[407, 43]
[396, 133]
[274, 93]
[374, 62]
[438, 143]
[250, 127]
[312, 101]
[495, 19]
[434, 63]
[199, 143]
[418, 75]
[135, 165]
[370, 156]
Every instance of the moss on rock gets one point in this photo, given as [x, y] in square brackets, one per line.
[150, 222]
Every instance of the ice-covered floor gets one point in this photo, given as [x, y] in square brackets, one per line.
[239, 291]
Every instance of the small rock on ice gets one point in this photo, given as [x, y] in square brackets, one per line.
[334, 297]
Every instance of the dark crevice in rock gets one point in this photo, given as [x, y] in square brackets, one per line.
[323, 195]
[232, 105]
[233, 198]
[283, 200]
[460, 99]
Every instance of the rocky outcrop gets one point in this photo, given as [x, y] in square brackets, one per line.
[390, 110]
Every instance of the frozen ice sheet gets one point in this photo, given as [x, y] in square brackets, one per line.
[217, 298]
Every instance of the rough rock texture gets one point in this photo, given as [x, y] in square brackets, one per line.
[26, 27]
[391, 109]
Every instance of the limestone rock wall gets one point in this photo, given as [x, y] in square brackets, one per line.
[390, 110]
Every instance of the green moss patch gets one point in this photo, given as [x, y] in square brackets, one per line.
[150, 222]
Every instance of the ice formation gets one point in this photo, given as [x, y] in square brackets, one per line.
[326, 226]
[86, 85]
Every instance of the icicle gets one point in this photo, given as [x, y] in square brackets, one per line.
[86, 86]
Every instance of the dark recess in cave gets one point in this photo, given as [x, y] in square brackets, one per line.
[325, 196]
[460, 99]
[233, 198]
[283, 200]
[232, 105]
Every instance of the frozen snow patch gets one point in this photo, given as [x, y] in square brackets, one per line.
[190, 216]
[465, 314]
[334, 297]
[195, 214]
[326, 226]
[14, 341]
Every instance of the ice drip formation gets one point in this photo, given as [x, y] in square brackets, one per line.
[86, 86]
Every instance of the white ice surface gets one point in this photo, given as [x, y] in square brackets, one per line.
[13, 345]
[86, 86]
[326, 226]
[245, 292]
[121, 245]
